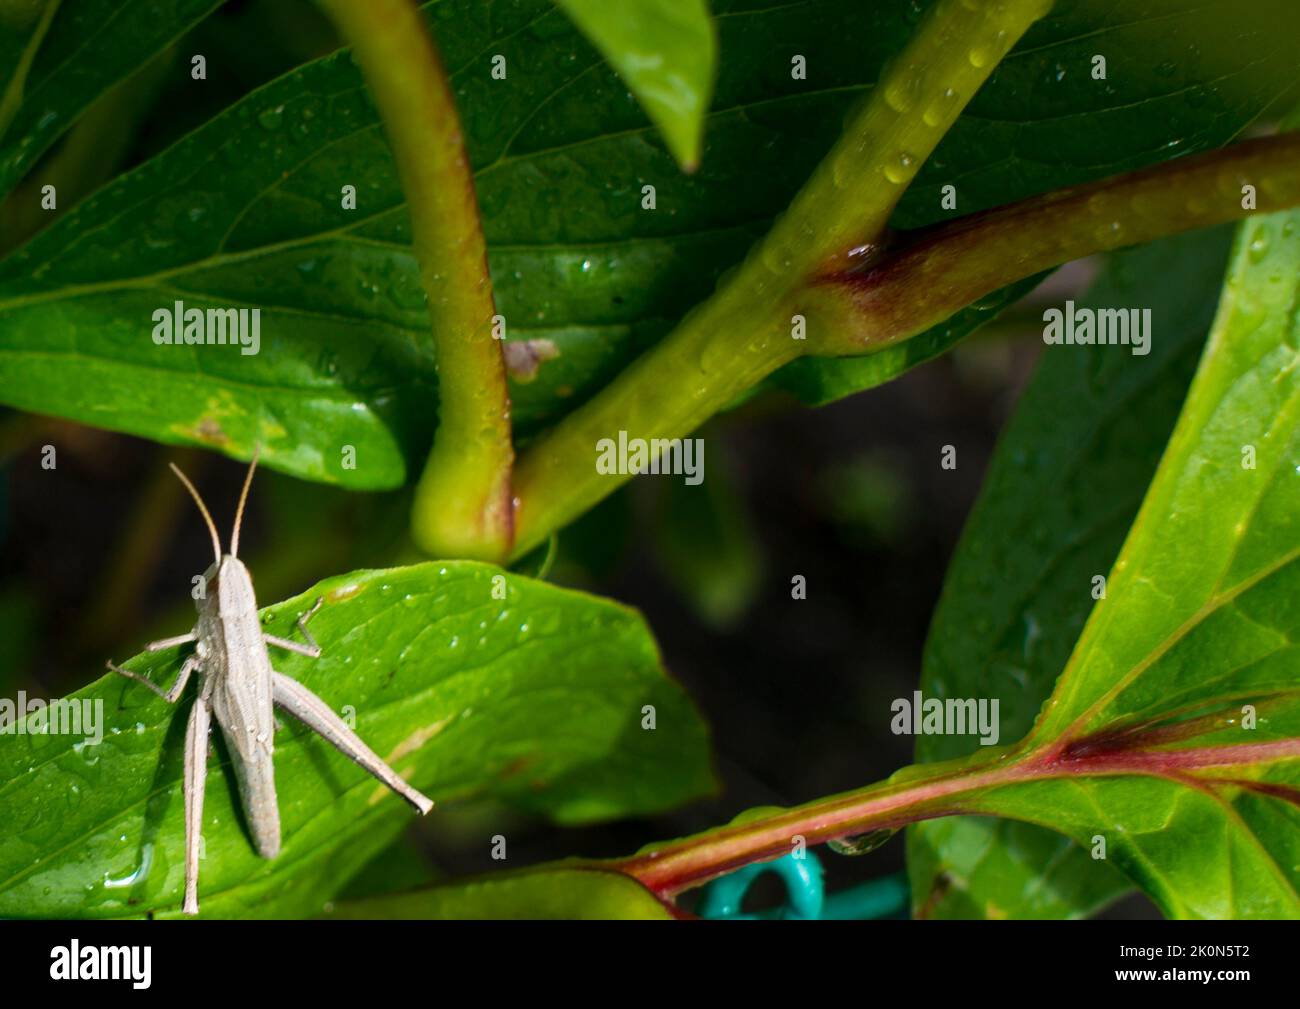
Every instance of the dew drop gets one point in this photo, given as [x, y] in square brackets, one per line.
[901, 169]
[271, 118]
[939, 109]
[87, 751]
[901, 92]
[776, 257]
[1109, 232]
[140, 873]
[862, 843]
[1258, 247]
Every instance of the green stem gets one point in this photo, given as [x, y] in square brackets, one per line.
[848, 200]
[463, 505]
[744, 332]
[666, 393]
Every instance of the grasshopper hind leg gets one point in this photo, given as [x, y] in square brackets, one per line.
[292, 697]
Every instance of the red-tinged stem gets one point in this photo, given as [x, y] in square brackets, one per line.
[945, 789]
[1286, 793]
[1169, 761]
[921, 278]
[693, 861]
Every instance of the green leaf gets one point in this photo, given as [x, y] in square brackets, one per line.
[1174, 731]
[667, 52]
[535, 700]
[983, 868]
[550, 893]
[90, 46]
[403, 865]
[1060, 492]
[246, 212]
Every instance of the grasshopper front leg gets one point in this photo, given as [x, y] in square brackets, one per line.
[196, 773]
[297, 700]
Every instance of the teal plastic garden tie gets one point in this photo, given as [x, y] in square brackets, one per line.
[803, 884]
[806, 894]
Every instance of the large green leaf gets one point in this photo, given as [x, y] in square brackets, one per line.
[1060, 493]
[667, 52]
[246, 211]
[535, 700]
[554, 892]
[1174, 731]
[90, 46]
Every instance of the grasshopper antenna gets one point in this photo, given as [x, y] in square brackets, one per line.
[243, 499]
[212, 528]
